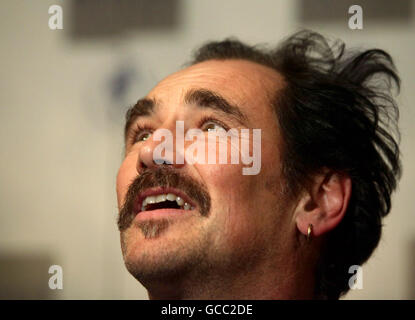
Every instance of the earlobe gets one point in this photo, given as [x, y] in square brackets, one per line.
[325, 204]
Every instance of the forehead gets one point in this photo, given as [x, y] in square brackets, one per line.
[242, 82]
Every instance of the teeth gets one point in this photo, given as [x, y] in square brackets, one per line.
[171, 197]
[151, 200]
[163, 197]
[180, 201]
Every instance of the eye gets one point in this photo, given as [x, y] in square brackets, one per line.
[212, 125]
[142, 136]
[141, 133]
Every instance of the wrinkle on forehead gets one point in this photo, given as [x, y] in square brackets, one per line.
[239, 80]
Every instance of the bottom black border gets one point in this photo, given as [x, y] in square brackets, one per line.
[218, 309]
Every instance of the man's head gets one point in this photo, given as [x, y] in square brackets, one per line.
[326, 162]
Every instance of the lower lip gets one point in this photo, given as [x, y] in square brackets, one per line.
[161, 213]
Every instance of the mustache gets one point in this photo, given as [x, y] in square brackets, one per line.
[162, 176]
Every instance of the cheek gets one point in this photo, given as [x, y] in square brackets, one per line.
[126, 174]
[232, 199]
[243, 205]
[224, 181]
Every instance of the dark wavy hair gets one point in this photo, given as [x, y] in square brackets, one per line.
[336, 112]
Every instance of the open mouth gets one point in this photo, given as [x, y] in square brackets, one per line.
[164, 199]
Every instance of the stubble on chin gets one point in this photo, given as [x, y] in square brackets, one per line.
[152, 229]
[164, 253]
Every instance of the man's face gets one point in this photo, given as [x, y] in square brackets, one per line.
[235, 221]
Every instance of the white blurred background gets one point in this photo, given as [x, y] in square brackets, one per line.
[63, 96]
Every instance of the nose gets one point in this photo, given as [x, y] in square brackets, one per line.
[148, 158]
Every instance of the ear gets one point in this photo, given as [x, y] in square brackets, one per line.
[324, 205]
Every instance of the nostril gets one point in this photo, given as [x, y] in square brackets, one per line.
[143, 165]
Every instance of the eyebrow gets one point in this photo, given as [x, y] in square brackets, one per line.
[205, 98]
[202, 98]
[143, 107]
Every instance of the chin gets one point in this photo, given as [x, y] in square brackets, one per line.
[160, 257]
